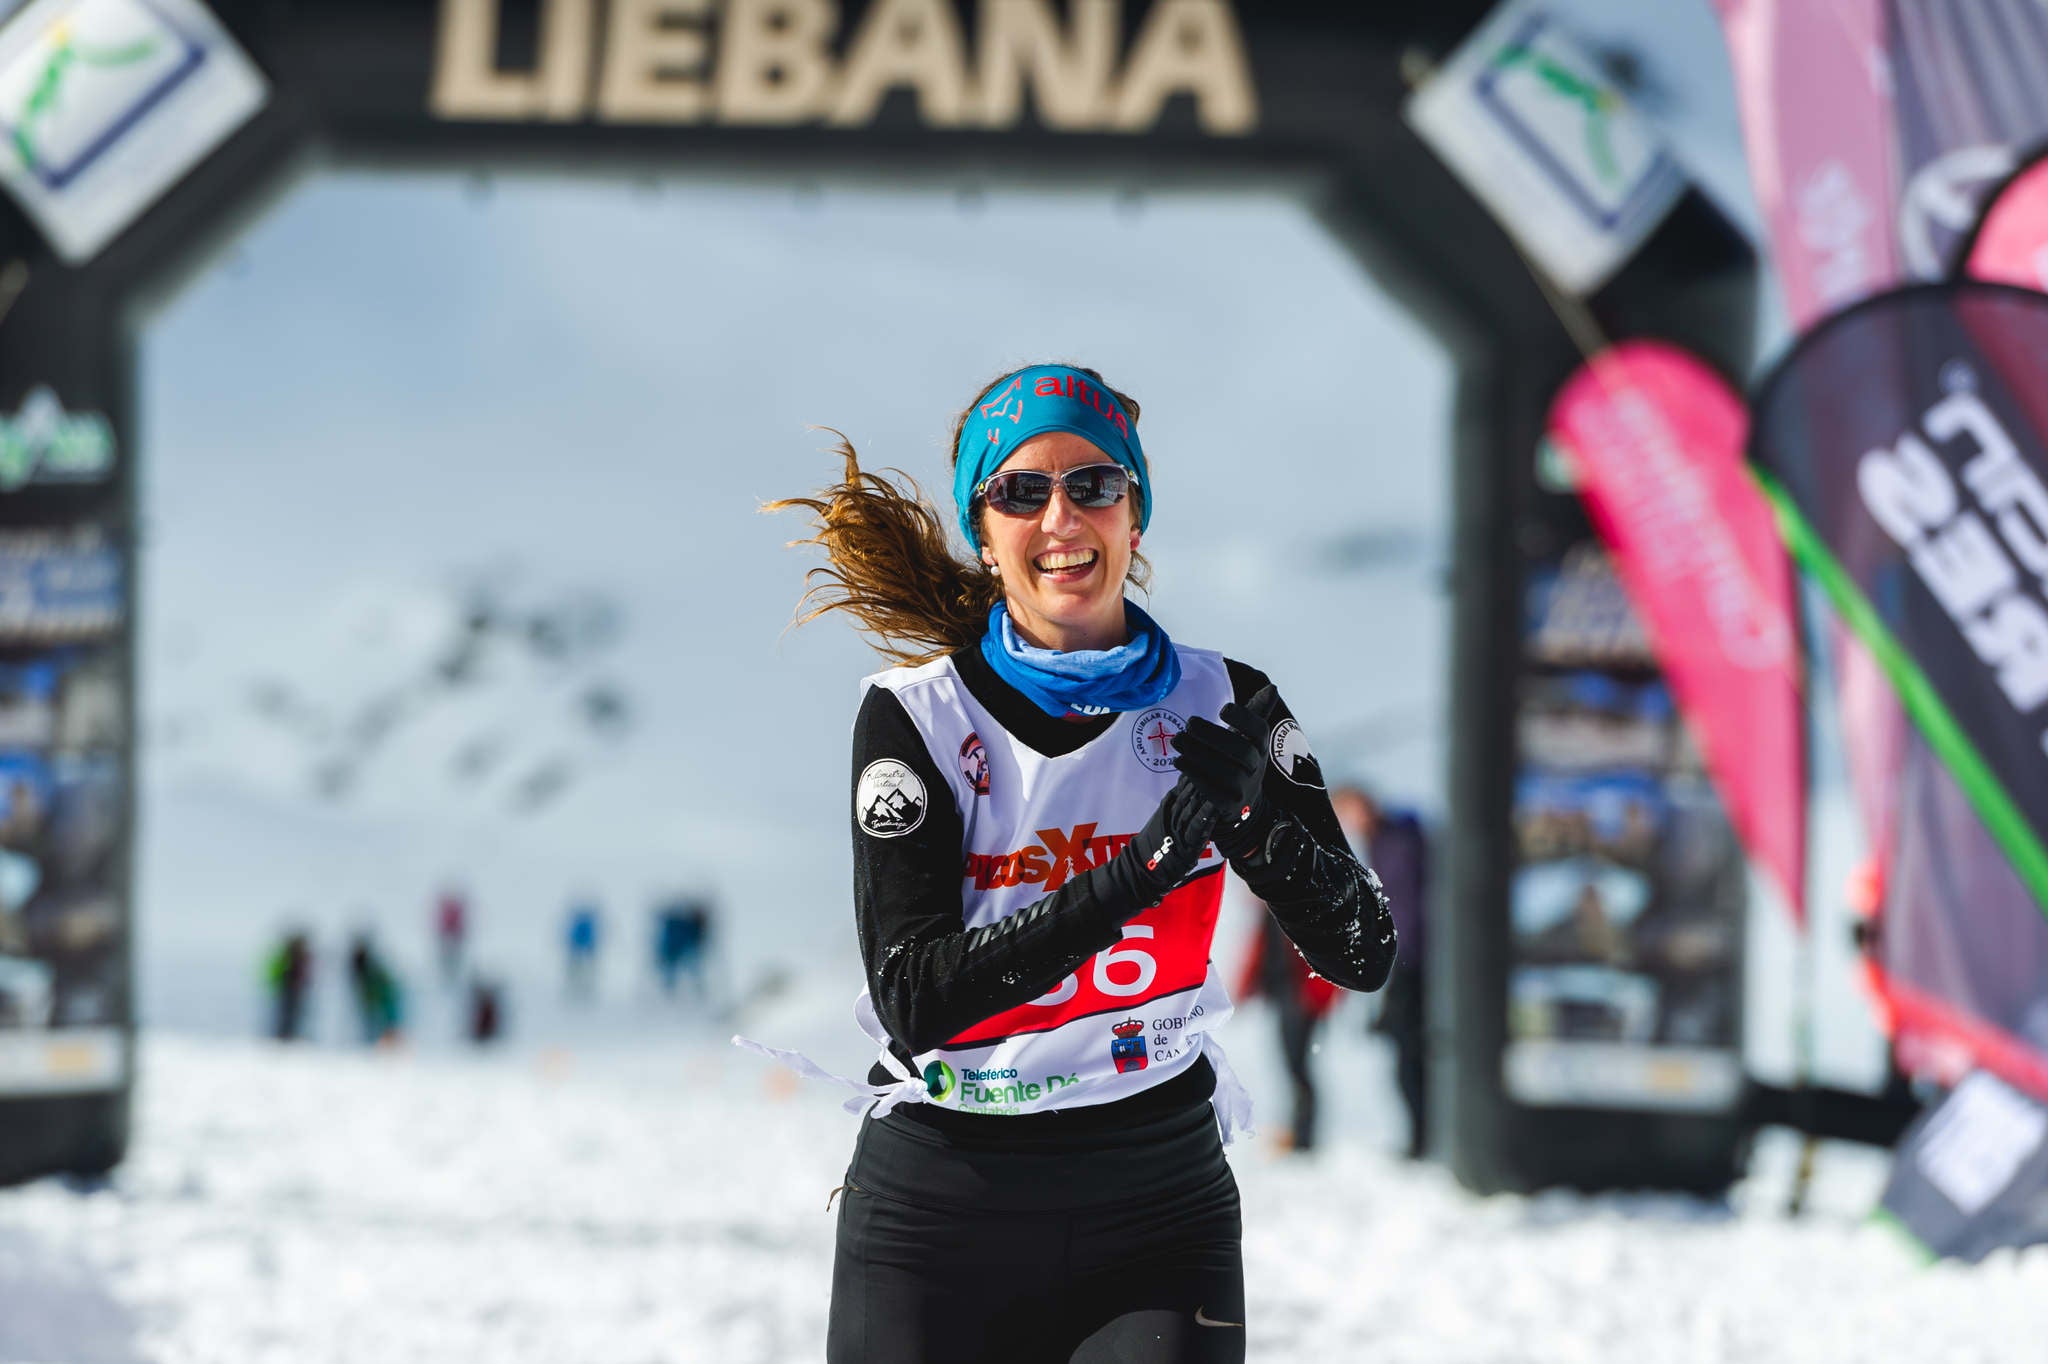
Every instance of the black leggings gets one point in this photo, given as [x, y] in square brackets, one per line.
[1125, 1248]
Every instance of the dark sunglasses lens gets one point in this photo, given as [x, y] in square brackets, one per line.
[1022, 490]
[1099, 485]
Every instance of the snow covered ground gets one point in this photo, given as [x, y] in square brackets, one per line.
[663, 1199]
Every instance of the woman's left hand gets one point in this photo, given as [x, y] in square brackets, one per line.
[1228, 765]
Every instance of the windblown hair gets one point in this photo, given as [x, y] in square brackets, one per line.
[889, 564]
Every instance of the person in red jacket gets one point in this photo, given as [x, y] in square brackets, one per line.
[451, 931]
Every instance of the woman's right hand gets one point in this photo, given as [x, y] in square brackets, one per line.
[1160, 855]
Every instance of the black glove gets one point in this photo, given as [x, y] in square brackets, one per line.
[1160, 855]
[1228, 768]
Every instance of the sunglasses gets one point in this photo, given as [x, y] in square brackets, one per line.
[1020, 492]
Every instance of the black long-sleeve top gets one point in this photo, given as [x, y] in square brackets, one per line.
[931, 978]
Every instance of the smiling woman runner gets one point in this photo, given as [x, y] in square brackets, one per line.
[1044, 795]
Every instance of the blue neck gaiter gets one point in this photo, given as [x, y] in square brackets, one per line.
[1085, 682]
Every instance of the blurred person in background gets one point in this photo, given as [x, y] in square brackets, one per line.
[451, 932]
[288, 977]
[21, 875]
[1043, 1175]
[1394, 843]
[486, 1010]
[379, 999]
[682, 942]
[21, 817]
[580, 943]
[1300, 1000]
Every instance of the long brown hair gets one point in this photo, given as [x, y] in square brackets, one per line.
[889, 564]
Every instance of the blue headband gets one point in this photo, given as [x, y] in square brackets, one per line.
[1030, 403]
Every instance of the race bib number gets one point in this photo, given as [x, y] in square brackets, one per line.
[1164, 950]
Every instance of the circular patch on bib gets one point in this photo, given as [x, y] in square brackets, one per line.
[1152, 737]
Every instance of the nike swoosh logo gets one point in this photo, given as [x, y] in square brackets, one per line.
[1202, 1318]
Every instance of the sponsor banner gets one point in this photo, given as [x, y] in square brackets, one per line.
[2010, 245]
[65, 1061]
[58, 586]
[62, 699]
[1962, 950]
[1875, 131]
[1577, 615]
[1971, 1177]
[1967, 99]
[66, 699]
[1586, 721]
[1817, 126]
[92, 710]
[1624, 912]
[1963, 964]
[1538, 133]
[62, 818]
[42, 443]
[1655, 442]
[105, 104]
[1612, 1075]
[1920, 508]
[1627, 886]
[1876, 742]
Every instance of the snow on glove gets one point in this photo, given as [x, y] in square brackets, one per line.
[1228, 767]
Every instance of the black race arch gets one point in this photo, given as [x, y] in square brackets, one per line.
[1288, 93]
